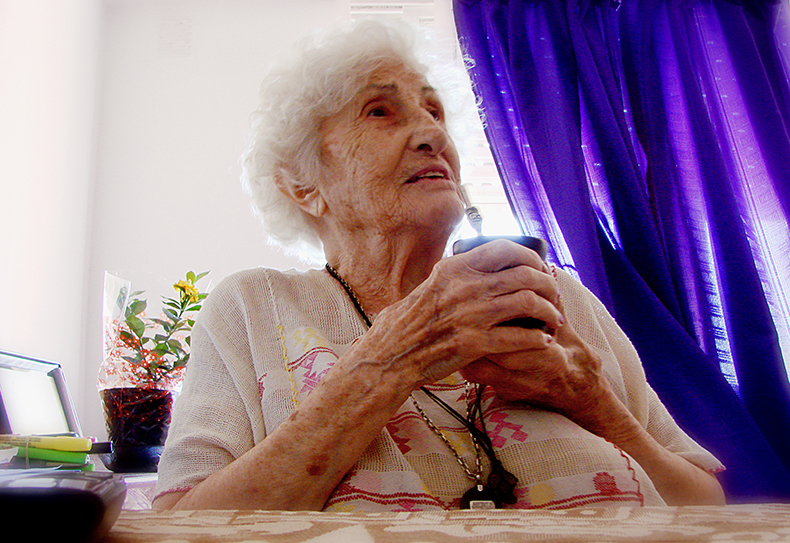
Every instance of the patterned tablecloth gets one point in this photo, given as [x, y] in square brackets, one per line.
[731, 523]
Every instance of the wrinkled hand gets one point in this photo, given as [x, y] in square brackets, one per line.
[564, 376]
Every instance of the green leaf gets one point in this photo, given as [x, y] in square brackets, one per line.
[136, 293]
[180, 326]
[169, 314]
[191, 322]
[191, 277]
[137, 306]
[201, 276]
[188, 341]
[194, 308]
[136, 325]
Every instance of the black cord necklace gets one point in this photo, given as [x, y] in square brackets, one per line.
[501, 483]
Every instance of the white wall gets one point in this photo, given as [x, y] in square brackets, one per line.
[121, 126]
[48, 64]
[178, 83]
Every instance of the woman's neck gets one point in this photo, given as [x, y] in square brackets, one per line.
[382, 268]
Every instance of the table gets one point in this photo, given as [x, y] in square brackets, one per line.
[651, 524]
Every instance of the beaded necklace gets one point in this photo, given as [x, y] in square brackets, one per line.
[500, 484]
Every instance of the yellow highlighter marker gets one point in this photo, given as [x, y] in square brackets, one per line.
[57, 443]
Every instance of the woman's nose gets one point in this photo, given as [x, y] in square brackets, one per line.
[428, 136]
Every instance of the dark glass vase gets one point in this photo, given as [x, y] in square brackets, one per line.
[137, 422]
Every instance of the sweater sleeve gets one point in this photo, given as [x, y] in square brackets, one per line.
[217, 414]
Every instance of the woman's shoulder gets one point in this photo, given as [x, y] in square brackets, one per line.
[255, 279]
[284, 301]
[569, 282]
[257, 287]
[577, 299]
[580, 302]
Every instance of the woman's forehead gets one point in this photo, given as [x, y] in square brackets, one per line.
[395, 77]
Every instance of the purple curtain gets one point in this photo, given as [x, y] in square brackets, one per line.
[649, 141]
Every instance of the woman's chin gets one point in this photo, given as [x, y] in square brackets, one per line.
[444, 216]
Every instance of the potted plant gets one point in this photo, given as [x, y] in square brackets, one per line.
[144, 363]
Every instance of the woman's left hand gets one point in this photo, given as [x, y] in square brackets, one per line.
[564, 376]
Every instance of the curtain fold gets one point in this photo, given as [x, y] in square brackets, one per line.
[648, 142]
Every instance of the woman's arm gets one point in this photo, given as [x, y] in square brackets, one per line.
[677, 480]
[302, 461]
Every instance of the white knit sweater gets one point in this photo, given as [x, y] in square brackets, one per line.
[265, 338]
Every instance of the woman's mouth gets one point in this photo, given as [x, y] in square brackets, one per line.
[429, 174]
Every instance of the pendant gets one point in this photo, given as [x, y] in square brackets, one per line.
[502, 482]
[479, 497]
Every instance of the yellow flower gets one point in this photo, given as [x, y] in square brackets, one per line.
[187, 290]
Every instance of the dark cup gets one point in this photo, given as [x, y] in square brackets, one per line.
[536, 244]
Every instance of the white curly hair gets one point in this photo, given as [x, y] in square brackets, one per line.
[318, 81]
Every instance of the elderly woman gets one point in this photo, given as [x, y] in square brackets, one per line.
[384, 381]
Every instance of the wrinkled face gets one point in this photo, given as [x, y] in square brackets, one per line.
[388, 161]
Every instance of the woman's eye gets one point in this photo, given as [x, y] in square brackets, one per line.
[377, 112]
[435, 112]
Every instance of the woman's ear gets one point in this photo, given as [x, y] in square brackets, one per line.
[308, 198]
